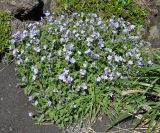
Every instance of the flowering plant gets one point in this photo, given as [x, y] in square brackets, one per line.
[68, 63]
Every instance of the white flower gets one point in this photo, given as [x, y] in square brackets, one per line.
[85, 64]
[36, 103]
[43, 58]
[49, 103]
[67, 58]
[99, 22]
[105, 77]
[83, 72]
[47, 13]
[89, 39]
[109, 57]
[59, 52]
[79, 52]
[45, 46]
[98, 79]
[83, 31]
[65, 71]
[130, 62]
[30, 114]
[132, 27]
[15, 52]
[34, 77]
[150, 62]
[118, 58]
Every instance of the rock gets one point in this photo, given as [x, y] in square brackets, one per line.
[157, 2]
[26, 9]
[153, 33]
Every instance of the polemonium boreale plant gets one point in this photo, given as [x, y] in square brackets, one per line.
[69, 63]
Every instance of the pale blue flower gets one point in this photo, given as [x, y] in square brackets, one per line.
[150, 62]
[89, 52]
[98, 79]
[43, 58]
[27, 59]
[34, 69]
[12, 41]
[37, 49]
[72, 60]
[28, 45]
[67, 58]
[24, 34]
[30, 98]
[19, 61]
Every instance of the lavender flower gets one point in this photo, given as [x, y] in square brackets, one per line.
[34, 69]
[72, 60]
[30, 98]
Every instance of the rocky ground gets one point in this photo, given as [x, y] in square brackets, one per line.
[14, 106]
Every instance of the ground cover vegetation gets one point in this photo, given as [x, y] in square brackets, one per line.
[79, 64]
[4, 30]
[128, 9]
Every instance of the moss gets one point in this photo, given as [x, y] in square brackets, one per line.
[4, 30]
[128, 9]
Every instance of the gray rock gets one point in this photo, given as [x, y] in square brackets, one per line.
[26, 9]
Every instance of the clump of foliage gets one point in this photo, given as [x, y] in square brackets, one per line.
[144, 92]
[75, 66]
[4, 30]
[128, 9]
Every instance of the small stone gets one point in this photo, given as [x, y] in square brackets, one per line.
[10, 128]
[1, 98]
